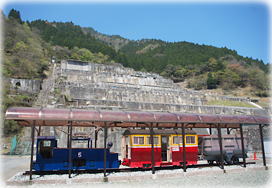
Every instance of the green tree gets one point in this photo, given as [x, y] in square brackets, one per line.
[15, 15]
[211, 81]
[198, 82]
[258, 79]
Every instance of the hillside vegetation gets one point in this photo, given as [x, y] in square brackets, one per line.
[30, 46]
[202, 66]
[72, 36]
[27, 55]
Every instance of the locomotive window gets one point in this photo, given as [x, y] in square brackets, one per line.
[138, 140]
[190, 140]
[155, 139]
[45, 149]
[46, 143]
[177, 140]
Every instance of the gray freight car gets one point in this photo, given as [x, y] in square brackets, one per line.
[232, 148]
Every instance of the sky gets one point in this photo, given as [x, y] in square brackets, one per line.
[243, 27]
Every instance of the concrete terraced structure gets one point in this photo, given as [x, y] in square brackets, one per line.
[76, 84]
[113, 87]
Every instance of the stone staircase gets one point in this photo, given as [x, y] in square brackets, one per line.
[47, 92]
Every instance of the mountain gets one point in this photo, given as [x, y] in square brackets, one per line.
[186, 52]
[115, 41]
[69, 35]
[200, 66]
[29, 47]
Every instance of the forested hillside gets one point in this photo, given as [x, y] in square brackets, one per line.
[72, 36]
[29, 46]
[27, 55]
[201, 66]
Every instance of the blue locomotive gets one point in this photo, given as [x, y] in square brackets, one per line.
[51, 158]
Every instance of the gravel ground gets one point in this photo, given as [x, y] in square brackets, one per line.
[11, 165]
[247, 179]
[252, 176]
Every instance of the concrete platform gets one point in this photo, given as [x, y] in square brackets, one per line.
[138, 178]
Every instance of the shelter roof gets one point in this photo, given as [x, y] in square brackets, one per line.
[61, 117]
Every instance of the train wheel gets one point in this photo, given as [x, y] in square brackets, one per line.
[210, 162]
[229, 162]
[218, 162]
[235, 160]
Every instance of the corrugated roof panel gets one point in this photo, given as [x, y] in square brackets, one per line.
[188, 118]
[141, 117]
[210, 118]
[114, 116]
[64, 115]
[166, 117]
[85, 115]
[264, 120]
[247, 119]
[22, 113]
[229, 119]
[56, 114]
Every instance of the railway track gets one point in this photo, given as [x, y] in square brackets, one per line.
[123, 169]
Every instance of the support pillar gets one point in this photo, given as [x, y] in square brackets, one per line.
[39, 131]
[228, 130]
[262, 144]
[105, 152]
[70, 147]
[210, 130]
[152, 148]
[68, 136]
[221, 148]
[32, 148]
[243, 145]
[183, 148]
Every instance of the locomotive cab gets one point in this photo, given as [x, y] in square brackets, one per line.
[45, 145]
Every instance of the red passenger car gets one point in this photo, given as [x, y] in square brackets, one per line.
[168, 147]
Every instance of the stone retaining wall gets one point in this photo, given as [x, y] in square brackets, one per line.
[25, 85]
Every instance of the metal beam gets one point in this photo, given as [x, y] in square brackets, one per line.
[70, 147]
[32, 148]
[68, 136]
[262, 144]
[152, 149]
[221, 148]
[243, 146]
[95, 138]
[39, 131]
[105, 152]
[183, 148]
